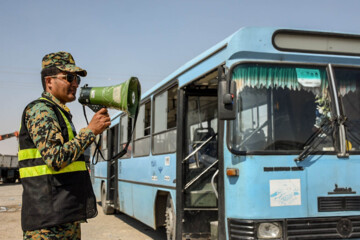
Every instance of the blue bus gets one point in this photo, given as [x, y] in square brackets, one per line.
[256, 138]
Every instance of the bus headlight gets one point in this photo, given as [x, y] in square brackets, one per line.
[269, 230]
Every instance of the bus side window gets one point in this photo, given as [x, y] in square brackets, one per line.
[142, 131]
[125, 131]
[164, 137]
[104, 145]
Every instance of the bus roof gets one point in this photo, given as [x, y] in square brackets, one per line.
[248, 40]
[257, 43]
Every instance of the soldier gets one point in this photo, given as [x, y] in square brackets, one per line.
[57, 194]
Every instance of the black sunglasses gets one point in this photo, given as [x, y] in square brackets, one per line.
[70, 78]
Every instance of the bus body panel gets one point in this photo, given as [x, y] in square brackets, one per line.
[97, 187]
[149, 170]
[125, 194]
[255, 194]
[100, 176]
[139, 185]
[143, 205]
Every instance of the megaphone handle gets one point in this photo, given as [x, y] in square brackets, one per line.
[94, 107]
[97, 144]
[124, 151]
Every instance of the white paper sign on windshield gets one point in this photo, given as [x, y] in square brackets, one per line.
[308, 77]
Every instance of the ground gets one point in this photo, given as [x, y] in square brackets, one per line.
[103, 227]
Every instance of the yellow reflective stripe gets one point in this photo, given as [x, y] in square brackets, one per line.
[68, 125]
[70, 131]
[46, 170]
[30, 153]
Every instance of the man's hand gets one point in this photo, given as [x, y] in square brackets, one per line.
[100, 121]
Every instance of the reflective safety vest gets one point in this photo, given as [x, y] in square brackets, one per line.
[53, 197]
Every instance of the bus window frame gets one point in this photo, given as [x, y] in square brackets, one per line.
[153, 134]
[313, 34]
[120, 137]
[105, 144]
[144, 102]
[113, 137]
[274, 152]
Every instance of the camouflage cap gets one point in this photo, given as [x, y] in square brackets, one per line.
[63, 61]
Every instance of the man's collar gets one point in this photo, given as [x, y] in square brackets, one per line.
[55, 100]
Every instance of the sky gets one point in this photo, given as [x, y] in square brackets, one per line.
[149, 39]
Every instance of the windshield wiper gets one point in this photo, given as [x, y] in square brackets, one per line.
[315, 140]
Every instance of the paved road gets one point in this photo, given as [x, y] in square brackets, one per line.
[103, 227]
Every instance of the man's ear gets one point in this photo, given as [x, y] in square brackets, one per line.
[48, 83]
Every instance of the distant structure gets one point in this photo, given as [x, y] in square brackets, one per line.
[9, 168]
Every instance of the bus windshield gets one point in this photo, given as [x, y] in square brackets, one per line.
[348, 90]
[280, 107]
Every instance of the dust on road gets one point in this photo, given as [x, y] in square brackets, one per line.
[103, 227]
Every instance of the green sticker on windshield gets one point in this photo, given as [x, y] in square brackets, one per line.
[308, 77]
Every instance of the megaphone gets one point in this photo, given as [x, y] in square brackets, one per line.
[124, 96]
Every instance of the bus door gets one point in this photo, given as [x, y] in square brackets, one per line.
[199, 166]
[112, 166]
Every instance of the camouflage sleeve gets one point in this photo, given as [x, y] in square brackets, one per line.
[45, 132]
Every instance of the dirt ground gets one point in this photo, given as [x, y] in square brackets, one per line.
[103, 227]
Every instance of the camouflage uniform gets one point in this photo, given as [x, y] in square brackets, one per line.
[64, 61]
[45, 131]
[70, 231]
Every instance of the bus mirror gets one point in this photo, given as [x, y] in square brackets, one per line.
[227, 100]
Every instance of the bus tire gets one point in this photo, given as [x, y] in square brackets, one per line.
[170, 219]
[107, 209]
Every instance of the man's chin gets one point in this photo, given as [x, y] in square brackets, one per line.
[71, 98]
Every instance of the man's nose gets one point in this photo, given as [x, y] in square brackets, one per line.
[74, 84]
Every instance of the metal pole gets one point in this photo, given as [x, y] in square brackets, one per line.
[342, 136]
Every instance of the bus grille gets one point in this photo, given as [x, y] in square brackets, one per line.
[331, 204]
[301, 229]
[323, 228]
[241, 229]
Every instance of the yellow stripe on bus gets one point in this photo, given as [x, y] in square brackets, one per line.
[46, 170]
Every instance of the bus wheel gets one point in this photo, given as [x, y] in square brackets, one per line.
[170, 219]
[107, 209]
